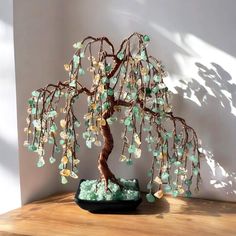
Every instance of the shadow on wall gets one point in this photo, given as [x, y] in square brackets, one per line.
[218, 106]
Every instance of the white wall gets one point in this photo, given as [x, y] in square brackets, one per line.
[9, 170]
[194, 39]
[196, 42]
[38, 34]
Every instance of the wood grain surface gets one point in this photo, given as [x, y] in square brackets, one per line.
[59, 215]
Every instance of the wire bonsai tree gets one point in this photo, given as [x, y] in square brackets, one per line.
[129, 81]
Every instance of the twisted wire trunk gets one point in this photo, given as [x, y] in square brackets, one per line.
[105, 172]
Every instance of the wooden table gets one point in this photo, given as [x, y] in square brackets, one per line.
[59, 215]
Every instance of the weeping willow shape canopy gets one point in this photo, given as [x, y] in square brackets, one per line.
[131, 79]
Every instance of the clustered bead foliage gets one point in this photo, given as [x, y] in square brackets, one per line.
[128, 81]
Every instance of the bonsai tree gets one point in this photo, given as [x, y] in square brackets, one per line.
[128, 80]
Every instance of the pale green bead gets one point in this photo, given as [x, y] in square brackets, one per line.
[40, 162]
[167, 188]
[195, 171]
[52, 113]
[150, 198]
[175, 193]
[132, 148]
[89, 144]
[164, 176]
[32, 148]
[35, 93]
[156, 78]
[81, 71]
[52, 159]
[120, 55]
[64, 180]
[77, 124]
[53, 128]
[146, 38]
[188, 193]
[113, 80]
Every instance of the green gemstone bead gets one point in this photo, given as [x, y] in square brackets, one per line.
[129, 162]
[40, 162]
[53, 128]
[167, 188]
[81, 71]
[164, 176]
[76, 61]
[188, 182]
[177, 163]
[52, 113]
[146, 78]
[189, 145]
[61, 166]
[77, 45]
[86, 135]
[105, 105]
[146, 38]
[104, 95]
[82, 55]
[194, 159]
[120, 55]
[77, 148]
[156, 78]
[188, 193]
[149, 173]
[127, 121]
[33, 111]
[89, 144]
[155, 90]
[57, 94]
[35, 93]
[110, 92]
[62, 142]
[135, 110]
[180, 152]
[123, 69]
[143, 56]
[150, 198]
[131, 148]
[113, 80]
[30, 102]
[50, 140]
[77, 124]
[64, 180]
[32, 148]
[104, 80]
[160, 101]
[175, 193]
[148, 91]
[57, 149]
[108, 68]
[52, 159]
[156, 153]
[195, 171]
[72, 83]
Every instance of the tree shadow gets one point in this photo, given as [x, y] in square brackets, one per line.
[216, 94]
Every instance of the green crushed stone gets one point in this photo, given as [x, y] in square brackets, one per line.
[129, 192]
